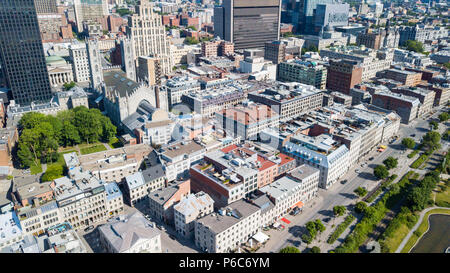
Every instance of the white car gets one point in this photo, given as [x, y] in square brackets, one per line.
[357, 171]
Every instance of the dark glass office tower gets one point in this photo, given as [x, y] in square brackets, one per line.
[306, 12]
[21, 52]
[248, 23]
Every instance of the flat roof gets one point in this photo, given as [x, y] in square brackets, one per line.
[217, 223]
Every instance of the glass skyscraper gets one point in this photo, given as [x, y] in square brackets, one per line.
[248, 23]
[21, 52]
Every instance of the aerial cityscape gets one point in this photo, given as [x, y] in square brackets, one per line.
[224, 126]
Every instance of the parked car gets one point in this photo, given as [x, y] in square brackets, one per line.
[326, 220]
[158, 226]
[344, 181]
[357, 171]
[371, 158]
[89, 228]
[295, 211]
[413, 135]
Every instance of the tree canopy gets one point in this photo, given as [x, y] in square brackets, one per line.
[338, 210]
[360, 191]
[434, 125]
[444, 116]
[415, 46]
[315, 249]
[41, 135]
[408, 143]
[290, 249]
[360, 207]
[380, 172]
[431, 140]
[390, 162]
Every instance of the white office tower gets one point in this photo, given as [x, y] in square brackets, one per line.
[148, 35]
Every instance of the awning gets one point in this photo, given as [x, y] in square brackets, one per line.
[260, 237]
[299, 205]
[285, 220]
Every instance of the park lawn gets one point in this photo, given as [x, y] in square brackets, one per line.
[421, 229]
[93, 149]
[443, 196]
[393, 242]
[115, 143]
[35, 169]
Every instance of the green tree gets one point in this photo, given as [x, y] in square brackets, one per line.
[30, 120]
[109, 130]
[319, 226]
[53, 171]
[360, 191]
[434, 125]
[69, 134]
[446, 135]
[447, 65]
[192, 27]
[444, 116]
[408, 143]
[191, 41]
[36, 144]
[338, 210]
[380, 172]
[88, 124]
[415, 46]
[431, 140]
[360, 207]
[390, 162]
[69, 86]
[290, 249]
[315, 249]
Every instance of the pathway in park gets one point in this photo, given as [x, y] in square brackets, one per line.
[107, 146]
[406, 239]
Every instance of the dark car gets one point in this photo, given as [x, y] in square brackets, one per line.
[344, 181]
[89, 228]
[371, 158]
[413, 135]
[295, 211]
[326, 220]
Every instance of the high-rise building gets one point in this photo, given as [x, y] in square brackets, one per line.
[21, 52]
[86, 60]
[148, 35]
[306, 12]
[369, 39]
[309, 73]
[275, 51]
[248, 23]
[45, 6]
[149, 70]
[343, 75]
[330, 16]
[89, 10]
[80, 62]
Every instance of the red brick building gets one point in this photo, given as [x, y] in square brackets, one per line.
[343, 75]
